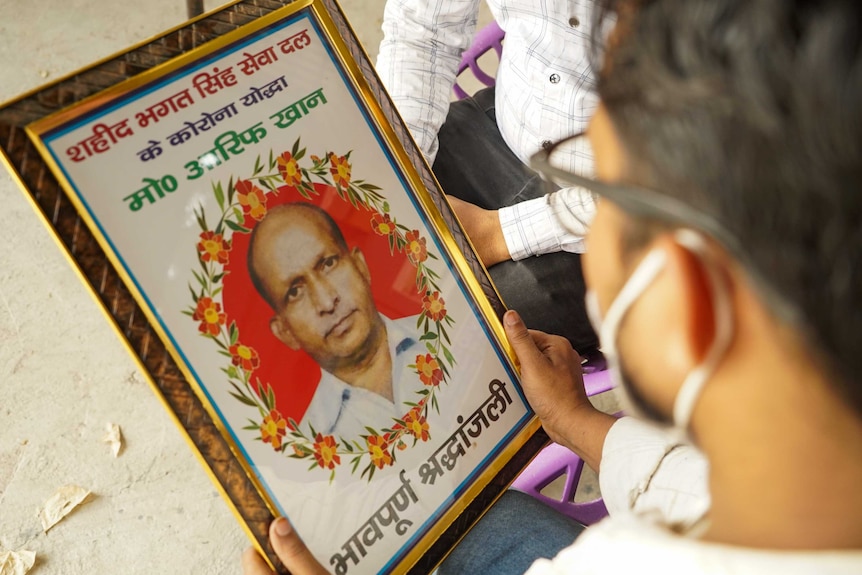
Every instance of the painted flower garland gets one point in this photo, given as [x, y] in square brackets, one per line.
[248, 198]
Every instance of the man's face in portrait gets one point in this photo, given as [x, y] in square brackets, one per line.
[320, 290]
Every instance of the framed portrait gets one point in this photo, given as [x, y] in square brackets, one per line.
[244, 201]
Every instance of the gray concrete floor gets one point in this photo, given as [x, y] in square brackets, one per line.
[63, 371]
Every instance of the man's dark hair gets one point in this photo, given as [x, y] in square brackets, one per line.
[275, 213]
[751, 110]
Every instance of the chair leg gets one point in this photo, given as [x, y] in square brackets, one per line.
[195, 8]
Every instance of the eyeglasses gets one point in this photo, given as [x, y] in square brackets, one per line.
[557, 162]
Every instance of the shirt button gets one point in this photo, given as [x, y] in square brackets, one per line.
[555, 78]
[574, 22]
[547, 144]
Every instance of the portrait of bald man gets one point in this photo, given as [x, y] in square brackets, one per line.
[319, 290]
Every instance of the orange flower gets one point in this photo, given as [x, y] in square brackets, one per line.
[417, 426]
[428, 369]
[213, 247]
[251, 198]
[210, 315]
[289, 169]
[244, 356]
[299, 452]
[378, 450]
[340, 170]
[273, 429]
[382, 224]
[416, 251]
[434, 306]
[401, 445]
[326, 451]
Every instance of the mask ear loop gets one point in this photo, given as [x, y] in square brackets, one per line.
[691, 388]
[643, 276]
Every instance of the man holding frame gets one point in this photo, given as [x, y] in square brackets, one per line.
[723, 269]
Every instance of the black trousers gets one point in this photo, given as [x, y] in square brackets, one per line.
[475, 164]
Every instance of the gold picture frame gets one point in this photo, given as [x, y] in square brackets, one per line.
[153, 169]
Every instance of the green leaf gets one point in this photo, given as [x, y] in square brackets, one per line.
[369, 470]
[234, 333]
[353, 198]
[270, 397]
[217, 291]
[271, 161]
[443, 331]
[299, 155]
[194, 295]
[200, 278]
[219, 195]
[202, 222]
[430, 347]
[448, 355]
[231, 372]
[258, 168]
[236, 227]
[243, 399]
[429, 335]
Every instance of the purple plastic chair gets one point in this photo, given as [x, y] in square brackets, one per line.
[555, 460]
[491, 36]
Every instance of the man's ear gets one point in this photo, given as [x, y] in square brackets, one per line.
[359, 261]
[694, 302]
[280, 330]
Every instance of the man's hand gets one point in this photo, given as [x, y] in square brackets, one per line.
[289, 548]
[554, 384]
[484, 230]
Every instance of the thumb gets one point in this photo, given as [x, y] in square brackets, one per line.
[291, 550]
[520, 338]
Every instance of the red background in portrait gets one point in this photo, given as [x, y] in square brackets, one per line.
[293, 375]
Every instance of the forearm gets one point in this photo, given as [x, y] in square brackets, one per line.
[584, 431]
[558, 221]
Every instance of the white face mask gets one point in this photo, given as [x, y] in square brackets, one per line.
[639, 281]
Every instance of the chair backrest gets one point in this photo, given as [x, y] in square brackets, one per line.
[555, 460]
[489, 37]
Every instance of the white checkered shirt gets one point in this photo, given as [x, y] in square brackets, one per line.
[544, 93]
